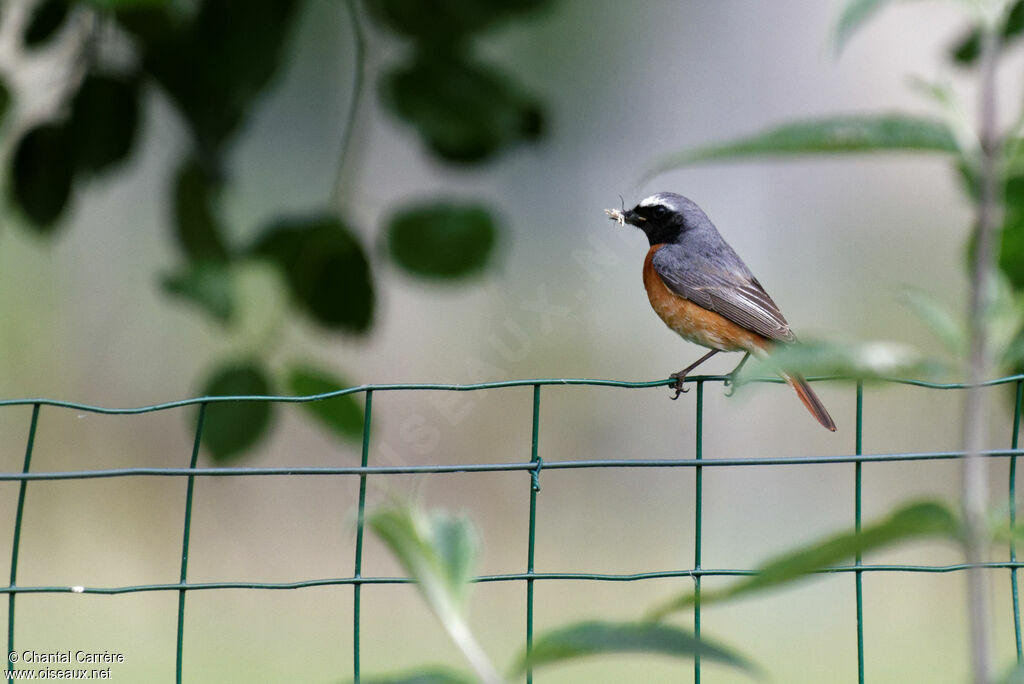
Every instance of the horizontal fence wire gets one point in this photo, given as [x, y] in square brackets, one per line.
[533, 466]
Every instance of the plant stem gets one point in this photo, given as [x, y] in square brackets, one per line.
[359, 57]
[975, 474]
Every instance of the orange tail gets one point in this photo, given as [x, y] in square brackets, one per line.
[811, 401]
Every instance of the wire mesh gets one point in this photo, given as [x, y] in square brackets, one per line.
[534, 467]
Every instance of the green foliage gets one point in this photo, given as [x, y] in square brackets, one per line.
[442, 240]
[464, 111]
[872, 133]
[196, 225]
[326, 270]
[43, 173]
[430, 675]
[967, 49]
[103, 123]
[232, 427]
[597, 638]
[47, 17]
[439, 552]
[205, 284]
[214, 64]
[866, 361]
[5, 100]
[444, 21]
[921, 520]
[342, 415]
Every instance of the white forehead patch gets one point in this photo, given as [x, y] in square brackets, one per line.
[651, 201]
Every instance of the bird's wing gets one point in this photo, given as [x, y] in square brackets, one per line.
[736, 296]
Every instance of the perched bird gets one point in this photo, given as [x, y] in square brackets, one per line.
[702, 290]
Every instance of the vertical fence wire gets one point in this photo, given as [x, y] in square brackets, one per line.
[1018, 405]
[857, 510]
[531, 544]
[189, 491]
[360, 527]
[698, 522]
[16, 542]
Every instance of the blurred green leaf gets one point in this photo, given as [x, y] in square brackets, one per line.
[968, 48]
[438, 551]
[872, 133]
[196, 226]
[214, 65]
[104, 119]
[464, 111]
[325, 267]
[47, 18]
[920, 520]
[1011, 249]
[854, 15]
[600, 638]
[866, 360]
[442, 240]
[946, 327]
[5, 100]
[43, 174]
[430, 675]
[233, 427]
[206, 284]
[341, 415]
[443, 21]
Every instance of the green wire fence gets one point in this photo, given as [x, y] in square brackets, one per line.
[534, 467]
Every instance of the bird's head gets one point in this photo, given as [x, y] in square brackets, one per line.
[663, 217]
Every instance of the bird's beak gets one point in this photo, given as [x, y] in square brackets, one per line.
[624, 217]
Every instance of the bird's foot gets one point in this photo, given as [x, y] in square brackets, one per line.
[678, 386]
[730, 380]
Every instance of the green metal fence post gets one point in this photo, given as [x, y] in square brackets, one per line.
[531, 544]
[698, 522]
[360, 526]
[1018, 406]
[859, 574]
[179, 661]
[16, 542]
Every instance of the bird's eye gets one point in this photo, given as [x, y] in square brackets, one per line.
[659, 212]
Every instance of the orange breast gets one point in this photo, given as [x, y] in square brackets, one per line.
[693, 322]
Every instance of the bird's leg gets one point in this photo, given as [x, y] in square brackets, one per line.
[730, 380]
[681, 375]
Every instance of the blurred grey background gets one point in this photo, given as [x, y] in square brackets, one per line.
[833, 240]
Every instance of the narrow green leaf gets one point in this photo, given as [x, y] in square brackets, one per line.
[429, 675]
[946, 327]
[342, 416]
[870, 133]
[437, 551]
[926, 519]
[866, 361]
[854, 15]
[600, 638]
[326, 269]
[232, 427]
[196, 226]
[443, 240]
[43, 175]
[1011, 249]
[206, 284]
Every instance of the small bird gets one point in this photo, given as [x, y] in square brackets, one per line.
[704, 292]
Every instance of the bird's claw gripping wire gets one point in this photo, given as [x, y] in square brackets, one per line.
[678, 386]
